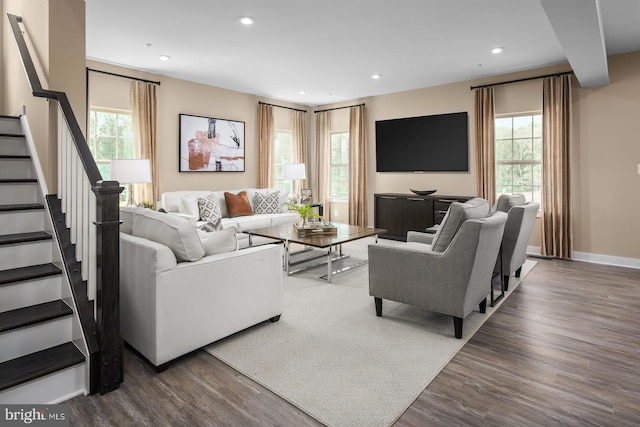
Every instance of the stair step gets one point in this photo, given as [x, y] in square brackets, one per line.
[18, 180]
[31, 315]
[28, 273]
[10, 239]
[21, 207]
[11, 135]
[35, 365]
[16, 157]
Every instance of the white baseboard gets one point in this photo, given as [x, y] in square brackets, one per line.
[594, 258]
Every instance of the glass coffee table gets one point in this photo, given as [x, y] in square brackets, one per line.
[331, 243]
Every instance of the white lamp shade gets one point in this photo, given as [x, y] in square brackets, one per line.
[294, 171]
[131, 171]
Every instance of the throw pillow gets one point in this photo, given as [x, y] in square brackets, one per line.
[209, 209]
[170, 230]
[221, 241]
[268, 203]
[211, 226]
[456, 215]
[237, 204]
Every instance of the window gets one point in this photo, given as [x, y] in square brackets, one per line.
[339, 172]
[110, 137]
[283, 150]
[519, 155]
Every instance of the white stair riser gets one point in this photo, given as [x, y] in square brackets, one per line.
[10, 126]
[25, 254]
[13, 146]
[30, 339]
[49, 390]
[11, 194]
[26, 293]
[16, 168]
[21, 221]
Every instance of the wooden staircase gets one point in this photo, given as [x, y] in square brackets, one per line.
[39, 362]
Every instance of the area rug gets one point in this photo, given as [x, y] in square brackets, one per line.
[332, 357]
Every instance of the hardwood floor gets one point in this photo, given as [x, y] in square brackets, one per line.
[563, 349]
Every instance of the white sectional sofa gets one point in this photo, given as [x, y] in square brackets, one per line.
[181, 289]
[179, 202]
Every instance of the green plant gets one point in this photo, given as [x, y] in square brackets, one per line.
[148, 205]
[305, 211]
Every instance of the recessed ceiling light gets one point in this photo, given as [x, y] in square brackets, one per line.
[376, 76]
[496, 50]
[247, 20]
[164, 57]
[302, 92]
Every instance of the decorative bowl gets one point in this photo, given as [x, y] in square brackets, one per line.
[422, 192]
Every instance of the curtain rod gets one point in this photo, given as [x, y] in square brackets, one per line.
[340, 108]
[123, 76]
[522, 80]
[282, 106]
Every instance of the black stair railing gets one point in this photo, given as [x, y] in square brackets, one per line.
[89, 208]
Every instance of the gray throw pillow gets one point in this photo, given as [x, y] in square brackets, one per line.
[209, 209]
[267, 203]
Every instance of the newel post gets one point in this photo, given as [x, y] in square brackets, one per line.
[108, 284]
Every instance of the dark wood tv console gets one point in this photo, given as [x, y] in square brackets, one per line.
[399, 213]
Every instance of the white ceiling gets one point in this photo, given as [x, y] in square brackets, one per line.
[331, 48]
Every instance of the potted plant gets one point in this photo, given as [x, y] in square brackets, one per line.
[305, 211]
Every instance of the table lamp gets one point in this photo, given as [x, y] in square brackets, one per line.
[292, 172]
[131, 171]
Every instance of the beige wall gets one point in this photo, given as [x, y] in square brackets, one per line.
[55, 34]
[176, 97]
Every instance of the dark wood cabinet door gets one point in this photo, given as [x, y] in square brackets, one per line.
[389, 215]
[418, 214]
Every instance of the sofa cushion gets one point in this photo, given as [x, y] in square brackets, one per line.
[238, 204]
[267, 203]
[189, 206]
[253, 222]
[209, 209]
[176, 232]
[456, 215]
[171, 199]
[507, 201]
[220, 241]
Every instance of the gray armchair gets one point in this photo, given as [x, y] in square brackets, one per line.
[452, 282]
[517, 233]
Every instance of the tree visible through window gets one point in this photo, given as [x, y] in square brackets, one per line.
[110, 137]
[339, 173]
[519, 155]
[283, 150]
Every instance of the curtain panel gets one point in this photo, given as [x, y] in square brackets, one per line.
[265, 146]
[557, 233]
[320, 180]
[485, 143]
[145, 135]
[299, 139]
[357, 167]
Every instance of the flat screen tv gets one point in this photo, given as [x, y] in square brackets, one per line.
[437, 143]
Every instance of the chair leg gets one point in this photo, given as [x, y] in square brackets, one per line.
[457, 326]
[378, 302]
[518, 271]
[483, 306]
[506, 283]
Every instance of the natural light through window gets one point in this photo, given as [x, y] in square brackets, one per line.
[519, 155]
[283, 154]
[339, 172]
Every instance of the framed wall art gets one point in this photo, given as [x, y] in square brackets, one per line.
[209, 144]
